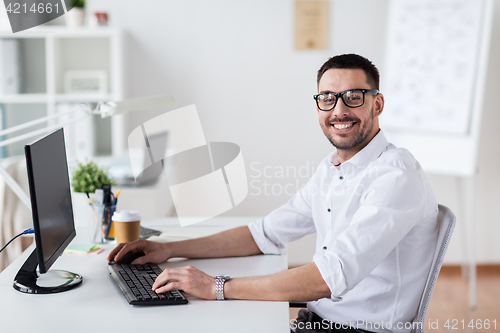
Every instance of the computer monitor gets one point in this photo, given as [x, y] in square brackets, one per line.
[53, 222]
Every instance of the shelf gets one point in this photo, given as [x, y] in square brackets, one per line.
[20, 35]
[44, 98]
[89, 98]
[24, 99]
[47, 55]
[62, 32]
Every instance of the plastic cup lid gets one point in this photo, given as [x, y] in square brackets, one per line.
[126, 216]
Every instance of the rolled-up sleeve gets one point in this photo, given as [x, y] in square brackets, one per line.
[265, 245]
[289, 222]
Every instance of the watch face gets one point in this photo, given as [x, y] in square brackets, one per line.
[223, 277]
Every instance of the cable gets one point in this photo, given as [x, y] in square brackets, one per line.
[25, 232]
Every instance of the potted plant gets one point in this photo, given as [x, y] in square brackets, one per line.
[75, 17]
[85, 179]
[89, 177]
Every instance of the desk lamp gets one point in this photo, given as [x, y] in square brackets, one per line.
[105, 109]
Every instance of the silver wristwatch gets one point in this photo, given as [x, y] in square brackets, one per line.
[219, 286]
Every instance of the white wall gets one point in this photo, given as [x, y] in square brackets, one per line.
[236, 61]
[487, 182]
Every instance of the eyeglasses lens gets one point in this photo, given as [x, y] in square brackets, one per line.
[353, 98]
[326, 101]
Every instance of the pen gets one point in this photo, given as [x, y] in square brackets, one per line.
[115, 200]
[90, 200]
[109, 213]
[112, 209]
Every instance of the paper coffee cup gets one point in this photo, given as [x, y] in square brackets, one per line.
[127, 225]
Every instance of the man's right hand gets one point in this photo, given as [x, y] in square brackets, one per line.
[235, 242]
[154, 252]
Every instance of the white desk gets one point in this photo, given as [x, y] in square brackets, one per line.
[98, 305]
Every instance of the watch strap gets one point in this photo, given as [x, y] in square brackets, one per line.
[219, 286]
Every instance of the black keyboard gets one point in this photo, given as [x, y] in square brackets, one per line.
[135, 282]
[147, 232]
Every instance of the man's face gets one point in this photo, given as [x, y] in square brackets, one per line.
[349, 129]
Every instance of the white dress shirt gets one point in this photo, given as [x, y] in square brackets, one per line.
[376, 223]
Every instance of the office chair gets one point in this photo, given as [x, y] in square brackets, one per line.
[446, 224]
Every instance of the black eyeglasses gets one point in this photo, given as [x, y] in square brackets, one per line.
[353, 98]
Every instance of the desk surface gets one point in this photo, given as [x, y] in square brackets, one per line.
[99, 306]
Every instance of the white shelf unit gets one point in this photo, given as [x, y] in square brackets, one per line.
[44, 56]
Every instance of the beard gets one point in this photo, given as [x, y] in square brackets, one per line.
[357, 138]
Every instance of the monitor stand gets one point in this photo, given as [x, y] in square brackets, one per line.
[54, 281]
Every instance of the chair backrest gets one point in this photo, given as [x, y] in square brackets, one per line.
[446, 224]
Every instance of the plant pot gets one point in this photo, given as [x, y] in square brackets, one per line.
[75, 18]
[82, 211]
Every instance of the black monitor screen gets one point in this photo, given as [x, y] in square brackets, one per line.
[50, 197]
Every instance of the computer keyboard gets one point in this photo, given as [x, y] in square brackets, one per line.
[147, 232]
[135, 282]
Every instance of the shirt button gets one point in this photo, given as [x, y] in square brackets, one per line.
[341, 177]
[329, 210]
[324, 247]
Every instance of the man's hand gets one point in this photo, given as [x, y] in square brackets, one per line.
[188, 279]
[153, 252]
[237, 242]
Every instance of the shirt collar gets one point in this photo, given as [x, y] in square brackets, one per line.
[368, 154]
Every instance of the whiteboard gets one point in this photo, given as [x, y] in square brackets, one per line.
[435, 70]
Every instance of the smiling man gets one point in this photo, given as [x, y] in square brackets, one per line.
[370, 204]
[351, 124]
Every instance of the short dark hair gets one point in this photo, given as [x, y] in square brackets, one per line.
[352, 61]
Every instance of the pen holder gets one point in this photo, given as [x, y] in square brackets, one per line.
[109, 230]
[97, 230]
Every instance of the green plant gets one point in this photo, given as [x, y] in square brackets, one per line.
[89, 177]
[78, 3]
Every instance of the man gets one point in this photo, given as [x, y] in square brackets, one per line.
[369, 202]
